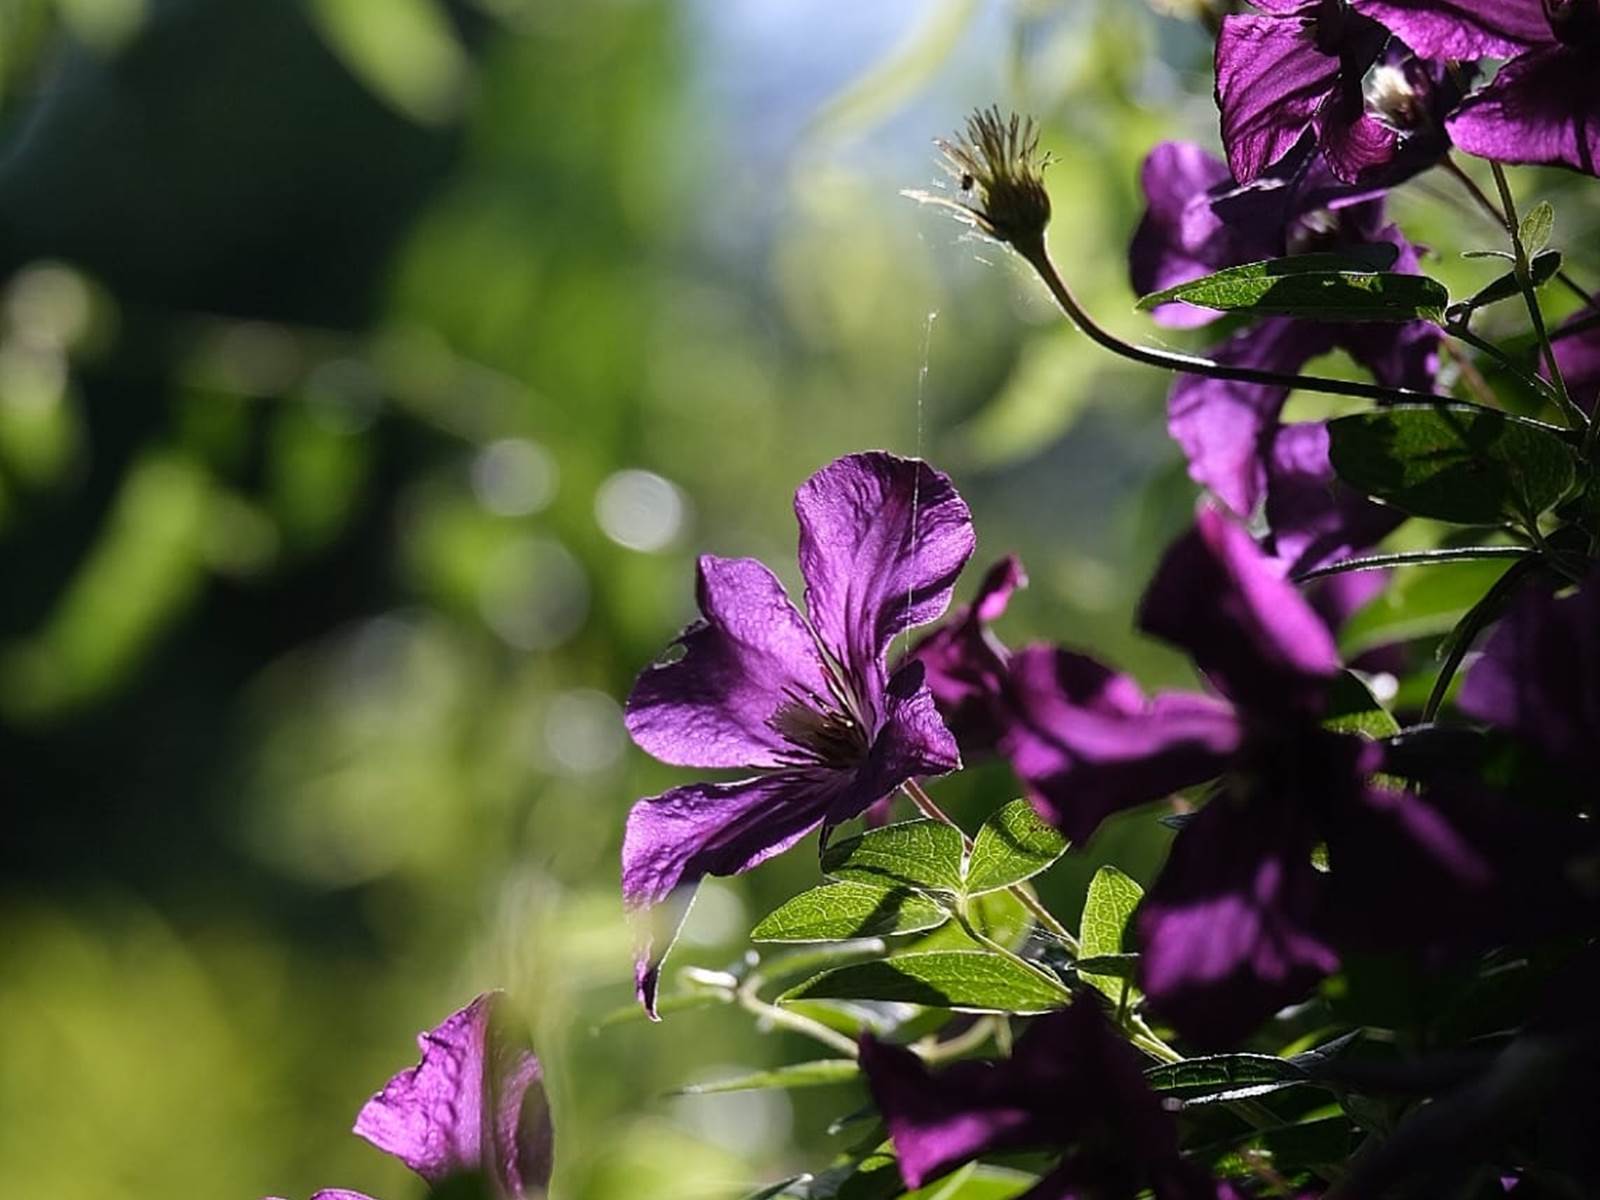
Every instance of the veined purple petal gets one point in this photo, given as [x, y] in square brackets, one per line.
[1355, 144]
[882, 540]
[1313, 518]
[1219, 597]
[1271, 80]
[1539, 675]
[1223, 426]
[1233, 928]
[1543, 107]
[1461, 29]
[1088, 743]
[473, 1103]
[751, 655]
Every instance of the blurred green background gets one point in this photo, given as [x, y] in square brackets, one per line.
[370, 373]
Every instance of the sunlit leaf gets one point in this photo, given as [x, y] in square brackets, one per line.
[919, 854]
[1107, 908]
[1352, 708]
[838, 911]
[970, 980]
[1014, 844]
[796, 1075]
[1329, 287]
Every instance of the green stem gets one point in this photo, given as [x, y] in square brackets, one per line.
[1468, 628]
[988, 943]
[969, 1039]
[1033, 251]
[1022, 892]
[782, 1017]
[1541, 388]
[1574, 415]
[1413, 558]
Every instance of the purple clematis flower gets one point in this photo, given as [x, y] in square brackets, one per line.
[473, 1105]
[805, 701]
[1544, 105]
[1578, 355]
[1296, 67]
[1070, 1083]
[1539, 676]
[1197, 222]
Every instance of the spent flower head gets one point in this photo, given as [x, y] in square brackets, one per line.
[998, 169]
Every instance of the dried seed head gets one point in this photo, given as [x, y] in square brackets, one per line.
[998, 169]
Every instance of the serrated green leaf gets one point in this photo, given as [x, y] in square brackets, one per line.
[919, 854]
[969, 980]
[819, 1073]
[1107, 909]
[1537, 227]
[837, 912]
[1352, 708]
[1453, 462]
[1220, 1077]
[1542, 269]
[1014, 844]
[1329, 287]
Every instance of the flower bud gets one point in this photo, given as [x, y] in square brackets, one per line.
[998, 171]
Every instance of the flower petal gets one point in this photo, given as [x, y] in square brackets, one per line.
[1087, 743]
[1578, 355]
[1313, 518]
[433, 1117]
[752, 652]
[1541, 108]
[1355, 144]
[882, 540]
[912, 742]
[1224, 426]
[1461, 29]
[1232, 929]
[1271, 80]
[1218, 597]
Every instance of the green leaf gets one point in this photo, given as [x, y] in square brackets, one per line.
[839, 911]
[999, 916]
[1537, 227]
[1542, 269]
[1329, 287]
[1014, 844]
[1453, 462]
[1121, 966]
[1352, 708]
[970, 980]
[820, 1073]
[1222, 1077]
[1106, 910]
[1418, 604]
[919, 854]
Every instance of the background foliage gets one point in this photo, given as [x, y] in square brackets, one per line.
[369, 376]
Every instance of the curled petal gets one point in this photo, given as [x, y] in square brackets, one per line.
[1087, 743]
[1271, 80]
[882, 540]
[1461, 29]
[1541, 108]
[1355, 144]
[1233, 928]
[751, 654]
[472, 1104]
[1218, 597]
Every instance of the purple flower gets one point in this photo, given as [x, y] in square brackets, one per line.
[805, 701]
[1294, 67]
[1544, 105]
[1070, 1084]
[1539, 676]
[474, 1104]
[1578, 355]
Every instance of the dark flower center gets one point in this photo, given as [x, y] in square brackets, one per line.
[1574, 22]
[822, 733]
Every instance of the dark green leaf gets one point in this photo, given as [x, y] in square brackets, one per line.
[970, 980]
[797, 1075]
[1122, 966]
[1329, 287]
[1107, 908]
[838, 911]
[1537, 227]
[1542, 269]
[919, 854]
[1014, 844]
[1221, 1077]
[1418, 604]
[1453, 462]
[1352, 708]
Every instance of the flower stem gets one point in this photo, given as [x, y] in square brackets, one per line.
[1413, 558]
[1044, 975]
[1022, 892]
[1541, 388]
[793, 1021]
[1033, 251]
[1468, 628]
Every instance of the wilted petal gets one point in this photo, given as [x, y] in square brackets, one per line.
[965, 664]
[1088, 743]
[1224, 426]
[1313, 518]
[702, 829]
[1271, 80]
[1233, 928]
[1461, 29]
[1218, 597]
[472, 1104]
[1541, 108]
[882, 540]
[750, 655]
[1539, 675]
